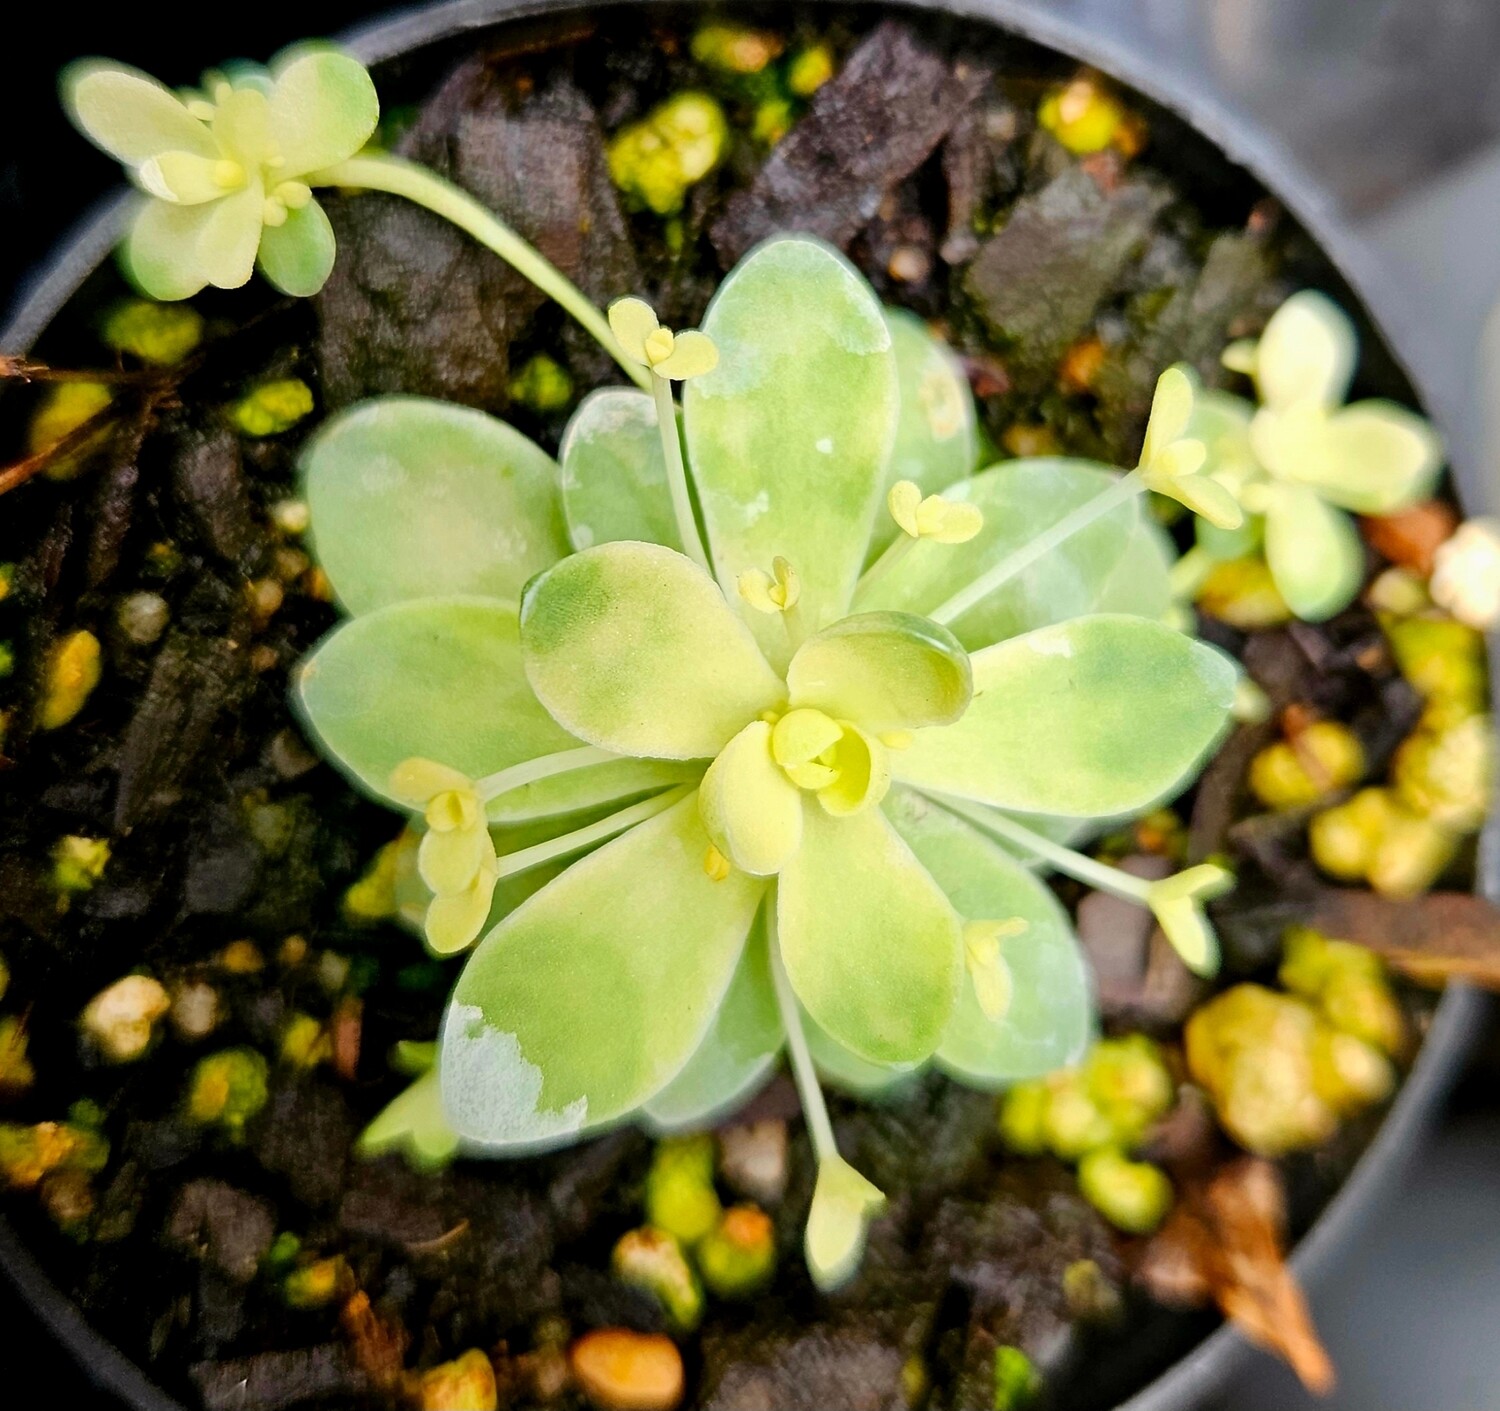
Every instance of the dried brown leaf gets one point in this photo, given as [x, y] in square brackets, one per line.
[1430, 939]
[1224, 1242]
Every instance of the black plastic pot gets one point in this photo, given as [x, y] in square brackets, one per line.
[1075, 29]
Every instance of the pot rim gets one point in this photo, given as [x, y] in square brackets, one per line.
[1203, 1370]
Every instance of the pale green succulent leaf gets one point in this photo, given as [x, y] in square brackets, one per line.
[737, 1055]
[367, 692]
[323, 108]
[1314, 552]
[297, 255]
[752, 811]
[1050, 1019]
[843, 1205]
[883, 670]
[129, 114]
[848, 1072]
[414, 498]
[160, 254]
[1020, 500]
[1094, 717]
[560, 1024]
[414, 1126]
[229, 236]
[1171, 412]
[1140, 582]
[1372, 457]
[1307, 353]
[614, 475]
[870, 943]
[789, 437]
[183, 178]
[632, 647]
[937, 433]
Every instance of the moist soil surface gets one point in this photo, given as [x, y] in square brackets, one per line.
[1067, 283]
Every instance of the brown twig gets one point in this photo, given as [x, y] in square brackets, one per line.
[19, 472]
[24, 370]
[1431, 939]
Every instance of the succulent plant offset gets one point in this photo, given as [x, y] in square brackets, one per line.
[226, 175]
[1302, 461]
[805, 813]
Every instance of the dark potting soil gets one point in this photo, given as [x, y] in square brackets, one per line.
[1067, 283]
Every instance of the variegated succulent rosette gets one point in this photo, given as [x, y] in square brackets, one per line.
[755, 738]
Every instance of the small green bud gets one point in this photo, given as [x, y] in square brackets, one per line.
[65, 407]
[809, 69]
[1134, 1196]
[1309, 960]
[738, 1256]
[1321, 760]
[1366, 1007]
[680, 1195]
[1442, 658]
[373, 897]
[72, 671]
[7, 660]
[314, 1285]
[1128, 1081]
[1082, 116]
[305, 1043]
[1256, 1053]
[1074, 1123]
[1090, 1295]
[1023, 1118]
[735, 48]
[653, 1260]
[227, 1089]
[160, 334]
[16, 1071]
[283, 1251]
[655, 161]
[1445, 775]
[543, 384]
[78, 862]
[1348, 1073]
[272, 407]
[772, 121]
[1017, 1381]
[1342, 840]
[29, 1153]
[1242, 593]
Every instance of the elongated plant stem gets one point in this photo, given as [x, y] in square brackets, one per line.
[1124, 489]
[814, 1109]
[677, 482]
[883, 565]
[580, 838]
[426, 188]
[1099, 875]
[544, 767]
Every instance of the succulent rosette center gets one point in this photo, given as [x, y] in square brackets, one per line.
[734, 789]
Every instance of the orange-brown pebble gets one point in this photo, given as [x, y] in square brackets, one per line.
[1410, 537]
[1080, 365]
[241, 958]
[619, 1370]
